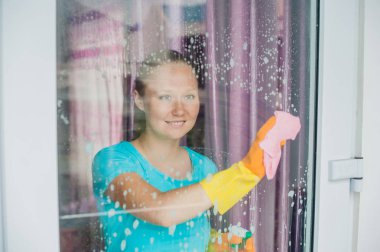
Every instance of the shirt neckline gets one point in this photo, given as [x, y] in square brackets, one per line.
[141, 157]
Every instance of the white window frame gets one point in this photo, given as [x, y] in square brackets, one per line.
[28, 147]
[337, 127]
[2, 247]
[369, 206]
[29, 131]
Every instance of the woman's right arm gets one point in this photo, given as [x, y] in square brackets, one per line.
[223, 190]
[161, 208]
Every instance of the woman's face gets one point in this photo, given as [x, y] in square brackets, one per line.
[170, 101]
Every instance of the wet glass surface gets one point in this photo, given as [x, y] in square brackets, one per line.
[250, 58]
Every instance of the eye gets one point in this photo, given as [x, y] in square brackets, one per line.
[190, 97]
[165, 97]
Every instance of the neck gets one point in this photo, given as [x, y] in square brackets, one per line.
[158, 149]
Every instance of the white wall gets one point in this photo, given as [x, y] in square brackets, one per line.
[369, 212]
[1, 146]
[28, 118]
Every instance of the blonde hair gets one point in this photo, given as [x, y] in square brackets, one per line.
[153, 61]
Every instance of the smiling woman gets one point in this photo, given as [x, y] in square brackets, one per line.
[167, 93]
[161, 186]
[133, 175]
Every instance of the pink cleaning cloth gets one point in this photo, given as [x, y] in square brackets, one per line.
[286, 127]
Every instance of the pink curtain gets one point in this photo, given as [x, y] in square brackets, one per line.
[94, 79]
[257, 53]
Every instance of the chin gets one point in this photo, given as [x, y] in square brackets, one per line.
[173, 133]
[176, 135]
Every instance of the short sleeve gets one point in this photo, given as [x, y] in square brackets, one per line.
[110, 163]
[210, 166]
[204, 166]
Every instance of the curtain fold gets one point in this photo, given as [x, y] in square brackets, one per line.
[239, 105]
[257, 58]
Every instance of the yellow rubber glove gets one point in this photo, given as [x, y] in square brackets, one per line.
[227, 187]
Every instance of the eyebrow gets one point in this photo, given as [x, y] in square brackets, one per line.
[163, 91]
[193, 89]
[169, 91]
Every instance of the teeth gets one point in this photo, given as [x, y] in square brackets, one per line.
[179, 123]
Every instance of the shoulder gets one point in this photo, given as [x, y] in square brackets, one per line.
[115, 156]
[113, 161]
[121, 150]
[203, 162]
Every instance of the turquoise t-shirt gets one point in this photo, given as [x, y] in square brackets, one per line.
[123, 231]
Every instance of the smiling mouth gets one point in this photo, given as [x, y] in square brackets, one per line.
[176, 123]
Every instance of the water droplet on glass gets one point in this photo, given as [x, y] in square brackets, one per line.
[215, 209]
[291, 193]
[127, 232]
[245, 46]
[232, 62]
[189, 176]
[123, 245]
[135, 224]
[172, 230]
[111, 212]
[154, 195]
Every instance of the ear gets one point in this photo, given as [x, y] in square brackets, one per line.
[139, 101]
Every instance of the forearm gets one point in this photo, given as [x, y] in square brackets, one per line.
[183, 204]
[161, 208]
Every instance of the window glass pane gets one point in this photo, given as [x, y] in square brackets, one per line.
[240, 61]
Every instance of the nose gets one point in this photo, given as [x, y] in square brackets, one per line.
[178, 108]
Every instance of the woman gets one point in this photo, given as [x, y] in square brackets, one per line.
[164, 187]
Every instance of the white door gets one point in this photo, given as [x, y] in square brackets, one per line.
[347, 125]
